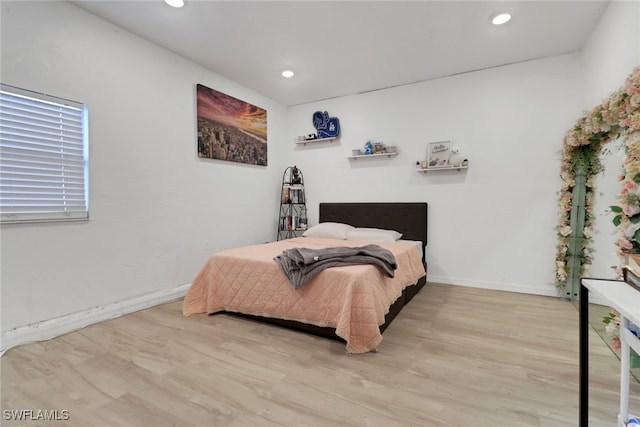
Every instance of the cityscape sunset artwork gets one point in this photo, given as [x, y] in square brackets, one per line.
[230, 129]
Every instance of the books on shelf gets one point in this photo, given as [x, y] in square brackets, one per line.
[292, 195]
[631, 270]
[293, 209]
[294, 222]
[286, 223]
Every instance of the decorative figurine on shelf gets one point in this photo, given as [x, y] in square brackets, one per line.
[379, 148]
[456, 158]
[296, 177]
[327, 127]
[368, 148]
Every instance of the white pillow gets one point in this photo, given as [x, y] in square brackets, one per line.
[374, 234]
[329, 230]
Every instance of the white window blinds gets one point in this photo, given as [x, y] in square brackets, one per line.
[43, 157]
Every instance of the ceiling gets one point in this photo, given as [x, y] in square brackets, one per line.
[339, 48]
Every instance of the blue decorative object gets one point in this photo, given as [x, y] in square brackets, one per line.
[368, 148]
[327, 127]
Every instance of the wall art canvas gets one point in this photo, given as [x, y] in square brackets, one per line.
[230, 129]
[439, 154]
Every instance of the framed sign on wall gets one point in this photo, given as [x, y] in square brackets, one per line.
[438, 154]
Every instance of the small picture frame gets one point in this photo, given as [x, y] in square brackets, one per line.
[439, 154]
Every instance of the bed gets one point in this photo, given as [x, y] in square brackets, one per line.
[353, 303]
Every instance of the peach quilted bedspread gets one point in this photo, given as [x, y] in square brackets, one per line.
[351, 299]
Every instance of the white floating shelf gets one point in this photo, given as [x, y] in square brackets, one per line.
[448, 168]
[368, 156]
[310, 141]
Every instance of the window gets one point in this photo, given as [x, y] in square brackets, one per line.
[43, 157]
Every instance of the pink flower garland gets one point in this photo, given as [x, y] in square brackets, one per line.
[617, 116]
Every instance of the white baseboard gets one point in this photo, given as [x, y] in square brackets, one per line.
[547, 289]
[52, 328]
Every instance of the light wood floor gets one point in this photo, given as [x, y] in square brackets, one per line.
[455, 356]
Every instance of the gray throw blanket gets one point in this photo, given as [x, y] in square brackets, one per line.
[302, 264]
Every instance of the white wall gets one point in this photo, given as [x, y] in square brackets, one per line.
[490, 226]
[611, 54]
[157, 211]
[613, 50]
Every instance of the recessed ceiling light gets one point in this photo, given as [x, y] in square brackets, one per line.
[287, 74]
[500, 18]
[175, 3]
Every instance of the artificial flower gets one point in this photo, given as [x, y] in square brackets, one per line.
[617, 116]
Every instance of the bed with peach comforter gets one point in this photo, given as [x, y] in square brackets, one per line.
[351, 301]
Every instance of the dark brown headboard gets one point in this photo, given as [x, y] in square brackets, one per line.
[409, 218]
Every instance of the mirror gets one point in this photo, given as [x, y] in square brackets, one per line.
[604, 255]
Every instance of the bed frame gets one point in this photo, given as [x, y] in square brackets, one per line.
[409, 218]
